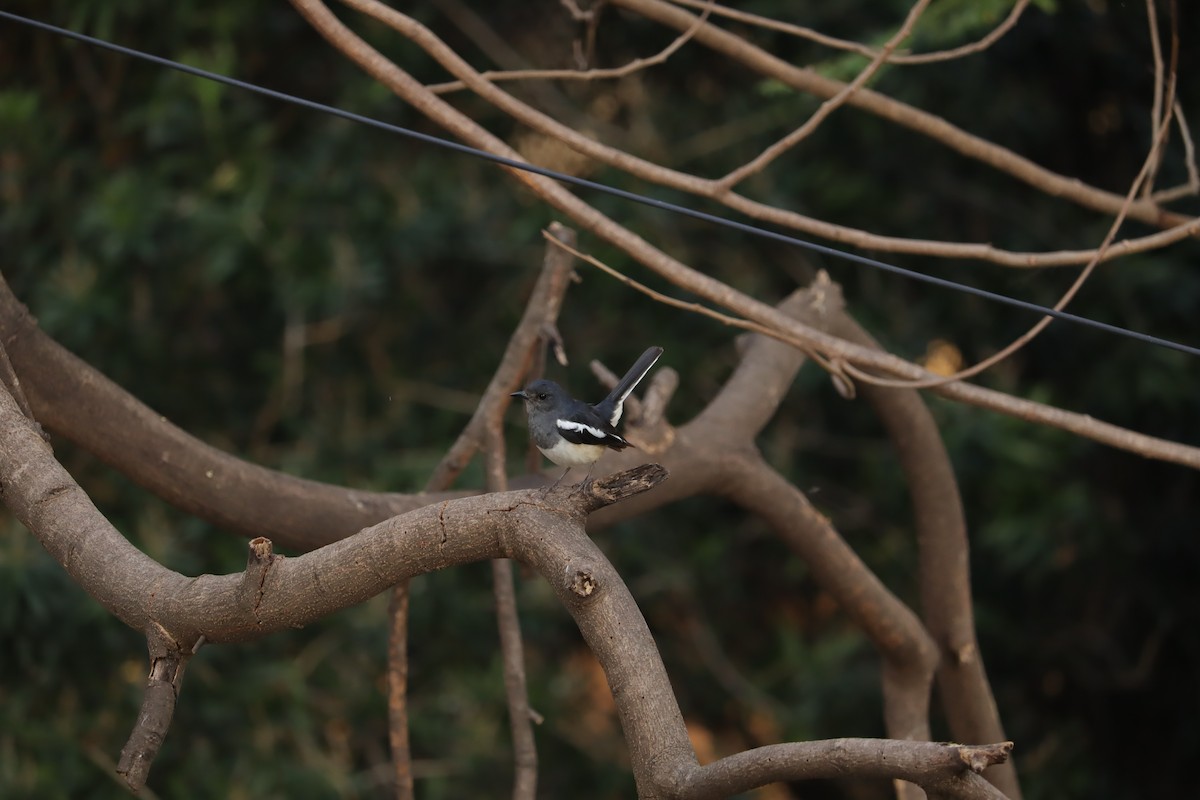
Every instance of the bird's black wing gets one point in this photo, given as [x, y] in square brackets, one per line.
[584, 426]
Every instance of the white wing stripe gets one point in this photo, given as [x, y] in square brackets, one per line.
[567, 425]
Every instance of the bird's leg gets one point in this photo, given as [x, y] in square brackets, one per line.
[552, 486]
[587, 479]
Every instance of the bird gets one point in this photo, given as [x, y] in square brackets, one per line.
[572, 433]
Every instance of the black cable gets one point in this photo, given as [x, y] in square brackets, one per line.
[600, 187]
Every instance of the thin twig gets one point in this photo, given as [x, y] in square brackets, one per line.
[763, 159]
[637, 64]
[1192, 186]
[397, 698]
[1156, 104]
[770, 23]
[1144, 176]
[512, 650]
[512, 647]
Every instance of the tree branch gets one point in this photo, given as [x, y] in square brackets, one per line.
[397, 695]
[948, 768]
[167, 662]
[944, 577]
[486, 428]
[831, 104]
[276, 592]
[76, 401]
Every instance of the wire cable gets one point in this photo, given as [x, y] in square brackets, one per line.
[663, 205]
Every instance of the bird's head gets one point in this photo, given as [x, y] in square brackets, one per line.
[541, 394]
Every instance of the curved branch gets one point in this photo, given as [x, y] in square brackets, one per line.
[276, 592]
[769, 23]
[831, 104]
[910, 656]
[73, 399]
[636, 65]
[942, 547]
[268, 595]
[948, 768]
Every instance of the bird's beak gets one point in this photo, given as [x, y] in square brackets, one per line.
[521, 394]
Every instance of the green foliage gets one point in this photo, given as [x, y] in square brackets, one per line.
[173, 232]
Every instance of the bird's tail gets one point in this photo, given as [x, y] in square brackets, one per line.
[611, 407]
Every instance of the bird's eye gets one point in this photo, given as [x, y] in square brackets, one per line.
[542, 395]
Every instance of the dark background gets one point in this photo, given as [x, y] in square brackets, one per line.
[170, 230]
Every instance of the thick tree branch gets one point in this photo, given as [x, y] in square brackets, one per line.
[74, 400]
[947, 768]
[944, 578]
[292, 592]
[910, 656]
[268, 596]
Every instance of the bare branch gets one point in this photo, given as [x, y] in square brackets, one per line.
[520, 716]
[397, 695]
[485, 428]
[299, 590]
[265, 597]
[454, 121]
[636, 65]
[766, 157]
[1143, 178]
[942, 549]
[512, 649]
[769, 23]
[1156, 105]
[948, 768]
[167, 663]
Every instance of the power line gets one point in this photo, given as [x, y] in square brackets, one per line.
[610, 190]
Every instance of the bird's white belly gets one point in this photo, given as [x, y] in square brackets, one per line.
[566, 454]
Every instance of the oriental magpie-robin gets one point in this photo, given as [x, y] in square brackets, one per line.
[572, 433]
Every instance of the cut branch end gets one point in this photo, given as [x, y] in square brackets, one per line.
[978, 758]
[621, 485]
